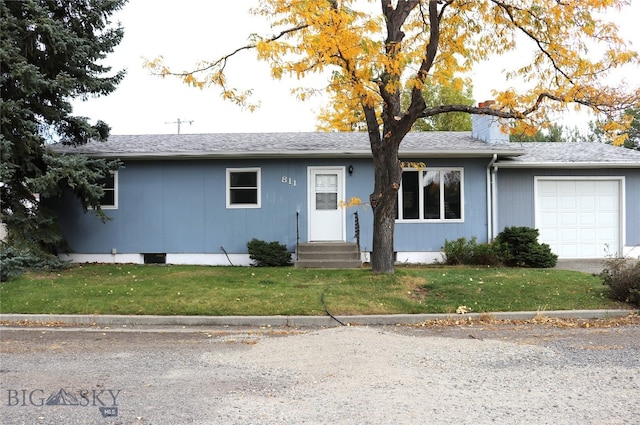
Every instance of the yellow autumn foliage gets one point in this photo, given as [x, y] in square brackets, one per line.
[573, 51]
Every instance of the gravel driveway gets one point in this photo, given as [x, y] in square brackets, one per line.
[480, 374]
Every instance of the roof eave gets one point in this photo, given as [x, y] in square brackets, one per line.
[296, 154]
[567, 165]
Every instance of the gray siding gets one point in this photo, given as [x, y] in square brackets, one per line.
[515, 203]
[178, 206]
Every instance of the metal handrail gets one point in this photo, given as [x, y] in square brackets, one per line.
[357, 225]
[297, 233]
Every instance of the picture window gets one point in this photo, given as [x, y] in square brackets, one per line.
[433, 194]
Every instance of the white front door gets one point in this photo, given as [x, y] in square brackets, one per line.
[326, 217]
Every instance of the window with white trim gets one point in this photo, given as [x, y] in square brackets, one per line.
[109, 199]
[431, 194]
[243, 187]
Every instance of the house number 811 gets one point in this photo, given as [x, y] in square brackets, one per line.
[288, 180]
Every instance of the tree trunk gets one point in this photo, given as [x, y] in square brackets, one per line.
[387, 175]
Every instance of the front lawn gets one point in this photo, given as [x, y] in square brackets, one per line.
[217, 291]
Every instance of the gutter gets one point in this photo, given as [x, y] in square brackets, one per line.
[286, 154]
[491, 197]
[574, 164]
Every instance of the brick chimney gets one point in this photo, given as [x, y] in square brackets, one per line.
[487, 127]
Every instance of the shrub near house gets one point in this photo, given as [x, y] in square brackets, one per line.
[514, 246]
[268, 254]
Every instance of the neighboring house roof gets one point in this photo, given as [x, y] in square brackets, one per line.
[431, 144]
[572, 155]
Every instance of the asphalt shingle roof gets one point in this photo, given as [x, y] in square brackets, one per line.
[284, 144]
[317, 144]
[574, 154]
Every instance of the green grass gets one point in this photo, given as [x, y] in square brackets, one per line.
[214, 291]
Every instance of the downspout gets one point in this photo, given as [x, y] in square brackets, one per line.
[491, 197]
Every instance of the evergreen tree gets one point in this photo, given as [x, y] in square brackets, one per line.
[50, 53]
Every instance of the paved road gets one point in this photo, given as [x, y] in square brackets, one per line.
[465, 374]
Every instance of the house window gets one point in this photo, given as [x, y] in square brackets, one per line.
[243, 188]
[433, 194]
[109, 199]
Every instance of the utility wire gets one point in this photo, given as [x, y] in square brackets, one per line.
[326, 310]
[225, 253]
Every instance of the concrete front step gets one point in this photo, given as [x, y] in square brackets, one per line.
[328, 255]
[328, 264]
[327, 247]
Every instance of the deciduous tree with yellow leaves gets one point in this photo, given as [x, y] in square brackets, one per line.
[373, 55]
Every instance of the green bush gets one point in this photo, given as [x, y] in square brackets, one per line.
[459, 251]
[463, 251]
[622, 276]
[268, 254]
[485, 254]
[519, 247]
[514, 247]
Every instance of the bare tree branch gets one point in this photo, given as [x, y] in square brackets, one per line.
[222, 61]
[509, 11]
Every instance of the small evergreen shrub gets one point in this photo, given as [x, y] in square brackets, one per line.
[622, 276]
[12, 263]
[268, 254]
[15, 261]
[519, 247]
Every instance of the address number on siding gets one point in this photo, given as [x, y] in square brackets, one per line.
[288, 180]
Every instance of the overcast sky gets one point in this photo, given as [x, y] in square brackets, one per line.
[191, 30]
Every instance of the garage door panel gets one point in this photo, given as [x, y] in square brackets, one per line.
[587, 202]
[549, 219]
[567, 250]
[579, 218]
[548, 187]
[585, 187]
[607, 202]
[548, 234]
[607, 234]
[568, 202]
[606, 187]
[566, 186]
[568, 235]
[568, 218]
[549, 202]
[608, 219]
[588, 234]
[588, 251]
[586, 218]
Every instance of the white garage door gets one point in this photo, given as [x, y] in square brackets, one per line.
[579, 218]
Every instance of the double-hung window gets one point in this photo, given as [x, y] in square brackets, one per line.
[243, 188]
[109, 199]
[431, 194]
